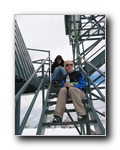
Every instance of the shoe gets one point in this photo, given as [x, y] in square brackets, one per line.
[81, 117]
[57, 119]
[54, 82]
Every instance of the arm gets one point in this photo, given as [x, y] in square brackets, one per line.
[53, 67]
[81, 84]
[63, 83]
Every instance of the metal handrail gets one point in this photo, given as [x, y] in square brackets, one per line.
[40, 124]
[31, 105]
[21, 91]
[85, 64]
[19, 128]
[92, 65]
[102, 129]
[103, 97]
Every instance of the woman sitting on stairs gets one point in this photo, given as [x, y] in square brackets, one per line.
[58, 70]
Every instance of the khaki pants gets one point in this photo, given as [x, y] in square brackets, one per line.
[76, 95]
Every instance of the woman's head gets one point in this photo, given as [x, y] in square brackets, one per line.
[58, 59]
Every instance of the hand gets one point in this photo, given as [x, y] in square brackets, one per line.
[68, 85]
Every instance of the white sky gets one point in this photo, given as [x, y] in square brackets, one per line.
[46, 32]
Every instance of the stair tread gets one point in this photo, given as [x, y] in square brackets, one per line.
[51, 111]
[69, 122]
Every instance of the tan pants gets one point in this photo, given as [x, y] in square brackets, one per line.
[76, 95]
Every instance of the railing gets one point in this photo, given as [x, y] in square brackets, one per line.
[87, 38]
[100, 127]
[19, 127]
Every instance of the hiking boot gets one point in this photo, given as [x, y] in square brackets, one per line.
[81, 117]
[57, 119]
[54, 82]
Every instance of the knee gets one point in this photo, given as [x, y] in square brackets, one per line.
[71, 89]
[56, 69]
[63, 90]
[61, 68]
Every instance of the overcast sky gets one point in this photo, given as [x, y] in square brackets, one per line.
[46, 32]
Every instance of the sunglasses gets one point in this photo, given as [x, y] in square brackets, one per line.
[69, 65]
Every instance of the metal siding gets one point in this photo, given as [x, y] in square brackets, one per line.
[24, 67]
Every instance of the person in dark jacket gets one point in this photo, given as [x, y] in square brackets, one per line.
[74, 90]
[57, 69]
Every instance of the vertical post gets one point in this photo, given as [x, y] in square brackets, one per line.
[76, 39]
[43, 94]
[49, 65]
[88, 129]
[73, 49]
[17, 116]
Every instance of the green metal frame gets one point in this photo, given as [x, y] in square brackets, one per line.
[24, 69]
[19, 128]
[81, 29]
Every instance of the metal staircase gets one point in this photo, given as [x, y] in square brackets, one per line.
[87, 37]
[83, 127]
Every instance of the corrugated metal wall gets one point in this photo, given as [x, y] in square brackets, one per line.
[23, 64]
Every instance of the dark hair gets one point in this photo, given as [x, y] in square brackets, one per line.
[58, 57]
[55, 64]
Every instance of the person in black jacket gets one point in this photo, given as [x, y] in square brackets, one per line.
[57, 69]
[73, 89]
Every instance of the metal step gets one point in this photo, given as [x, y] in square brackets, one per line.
[50, 103]
[30, 88]
[69, 122]
[51, 111]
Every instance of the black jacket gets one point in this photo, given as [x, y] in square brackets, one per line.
[55, 64]
[77, 78]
